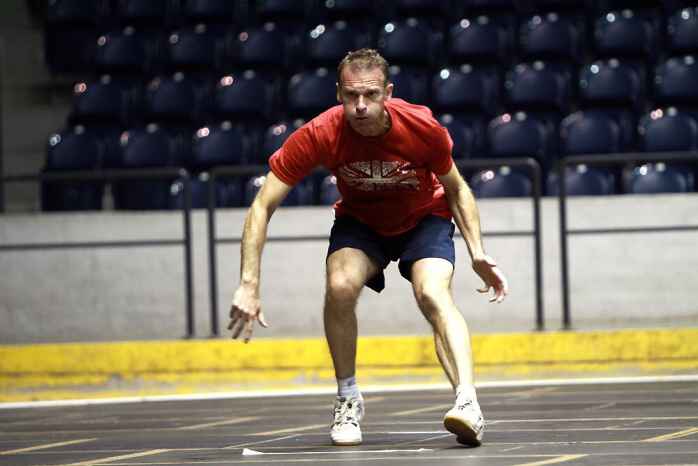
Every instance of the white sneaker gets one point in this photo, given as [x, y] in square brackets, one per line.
[347, 414]
[465, 420]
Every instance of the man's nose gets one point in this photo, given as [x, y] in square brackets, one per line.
[361, 105]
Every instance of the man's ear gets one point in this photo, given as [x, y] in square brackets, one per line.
[339, 96]
[389, 90]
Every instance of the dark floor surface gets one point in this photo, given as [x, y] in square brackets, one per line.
[605, 424]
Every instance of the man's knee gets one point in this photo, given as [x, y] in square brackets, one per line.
[431, 296]
[342, 287]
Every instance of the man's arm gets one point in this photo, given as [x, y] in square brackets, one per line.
[246, 309]
[466, 215]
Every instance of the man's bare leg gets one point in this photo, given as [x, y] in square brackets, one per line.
[348, 270]
[431, 282]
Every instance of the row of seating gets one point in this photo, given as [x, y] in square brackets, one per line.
[550, 36]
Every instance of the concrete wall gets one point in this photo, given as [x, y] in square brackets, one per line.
[618, 280]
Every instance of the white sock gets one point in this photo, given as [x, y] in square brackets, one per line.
[348, 388]
[467, 391]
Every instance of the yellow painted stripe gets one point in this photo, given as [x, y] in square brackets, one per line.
[46, 446]
[674, 435]
[112, 459]
[227, 422]
[557, 459]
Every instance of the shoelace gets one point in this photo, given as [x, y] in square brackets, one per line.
[343, 413]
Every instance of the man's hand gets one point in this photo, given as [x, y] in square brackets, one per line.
[487, 269]
[244, 311]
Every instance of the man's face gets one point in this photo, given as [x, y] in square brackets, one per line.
[363, 94]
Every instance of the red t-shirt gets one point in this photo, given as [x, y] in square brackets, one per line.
[387, 182]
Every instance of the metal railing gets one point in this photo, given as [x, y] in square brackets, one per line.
[605, 160]
[117, 175]
[528, 164]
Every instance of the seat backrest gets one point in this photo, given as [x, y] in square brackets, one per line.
[518, 135]
[243, 95]
[502, 182]
[311, 92]
[75, 148]
[408, 42]
[465, 89]
[682, 31]
[122, 52]
[478, 39]
[675, 81]
[172, 98]
[660, 178]
[550, 37]
[410, 84]
[217, 145]
[150, 146]
[99, 101]
[537, 86]
[624, 33]
[589, 132]
[610, 82]
[327, 44]
[581, 180]
[260, 47]
[667, 129]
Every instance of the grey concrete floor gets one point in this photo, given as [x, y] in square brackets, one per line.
[604, 424]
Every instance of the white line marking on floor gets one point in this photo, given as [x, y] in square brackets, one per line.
[293, 429]
[558, 459]
[48, 445]
[426, 409]
[332, 390]
[248, 452]
[226, 422]
[674, 435]
[112, 459]
[259, 442]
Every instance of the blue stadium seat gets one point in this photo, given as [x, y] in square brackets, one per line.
[537, 87]
[141, 12]
[174, 99]
[582, 180]
[329, 194]
[409, 42]
[301, 194]
[660, 178]
[610, 82]
[675, 82]
[347, 9]
[519, 135]
[624, 33]
[210, 11]
[72, 149]
[311, 92]
[477, 40]
[280, 10]
[73, 11]
[468, 135]
[195, 49]
[682, 31]
[410, 84]
[668, 130]
[559, 5]
[550, 36]
[149, 147]
[274, 138]
[491, 6]
[465, 89]
[218, 145]
[124, 52]
[260, 47]
[105, 100]
[422, 8]
[227, 193]
[327, 44]
[502, 182]
[590, 132]
[243, 96]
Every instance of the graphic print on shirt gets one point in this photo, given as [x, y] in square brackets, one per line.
[379, 175]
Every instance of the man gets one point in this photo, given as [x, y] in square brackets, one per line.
[399, 190]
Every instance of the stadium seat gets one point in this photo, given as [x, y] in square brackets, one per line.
[581, 180]
[174, 99]
[550, 37]
[490, 6]
[210, 11]
[329, 194]
[105, 100]
[311, 92]
[682, 31]
[217, 145]
[123, 52]
[260, 47]
[409, 42]
[347, 9]
[478, 40]
[660, 178]
[467, 135]
[502, 182]
[227, 193]
[280, 10]
[244, 96]
[519, 135]
[274, 138]
[327, 44]
[465, 89]
[668, 130]
[610, 82]
[195, 49]
[73, 11]
[675, 82]
[537, 87]
[624, 34]
[149, 147]
[422, 8]
[301, 194]
[139, 12]
[410, 84]
[72, 149]
[590, 132]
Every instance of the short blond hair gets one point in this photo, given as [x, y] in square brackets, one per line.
[363, 59]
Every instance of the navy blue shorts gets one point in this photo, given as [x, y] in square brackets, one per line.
[431, 237]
